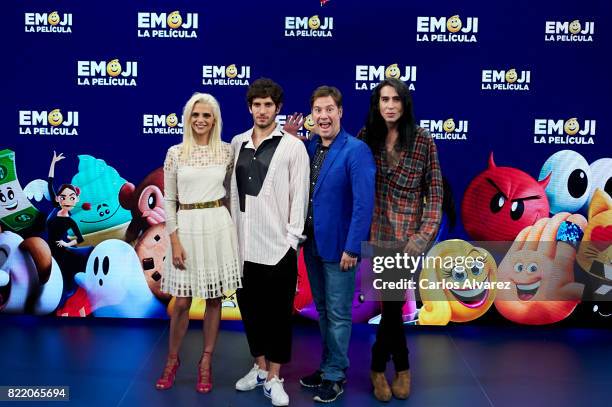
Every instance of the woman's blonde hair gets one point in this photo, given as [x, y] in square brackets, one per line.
[214, 142]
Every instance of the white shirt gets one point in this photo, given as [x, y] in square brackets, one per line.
[273, 221]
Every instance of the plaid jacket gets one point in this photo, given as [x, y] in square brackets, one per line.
[408, 203]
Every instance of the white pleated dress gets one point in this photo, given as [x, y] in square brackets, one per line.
[207, 235]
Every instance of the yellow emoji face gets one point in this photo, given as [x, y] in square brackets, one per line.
[314, 23]
[575, 27]
[113, 68]
[571, 126]
[229, 307]
[463, 295]
[309, 123]
[174, 20]
[55, 117]
[171, 120]
[449, 125]
[453, 24]
[595, 253]
[231, 71]
[53, 18]
[511, 76]
[392, 71]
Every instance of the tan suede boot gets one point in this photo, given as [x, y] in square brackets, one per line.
[382, 392]
[401, 385]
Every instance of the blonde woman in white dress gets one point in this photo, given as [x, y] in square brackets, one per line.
[204, 260]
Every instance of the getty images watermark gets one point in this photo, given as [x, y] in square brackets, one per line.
[456, 268]
[570, 270]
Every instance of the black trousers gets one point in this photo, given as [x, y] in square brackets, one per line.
[266, 306]
[390, 339]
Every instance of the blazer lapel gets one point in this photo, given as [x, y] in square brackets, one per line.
[334, 150]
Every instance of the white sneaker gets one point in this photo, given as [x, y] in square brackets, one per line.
[255, 377]
[275, 391]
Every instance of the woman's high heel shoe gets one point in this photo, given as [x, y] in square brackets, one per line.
[166, 381]
[204, 384]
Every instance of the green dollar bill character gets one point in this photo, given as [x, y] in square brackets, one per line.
[16, 212]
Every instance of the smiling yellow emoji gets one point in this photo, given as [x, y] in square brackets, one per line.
[314, 23]
[571, 126]
[174, 20]
[55, 117]
[511, 76]
[454, 24]
[113, 68]
[231, 71]
[53, 18]
[392, 71]
[463, 302]
[171, 120]
[309, 123]
[575, 27]
[449, 125]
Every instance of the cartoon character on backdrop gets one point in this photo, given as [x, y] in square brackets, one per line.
[570, 177]
[70, 259]
[303, 295]
[100, 217]
[146, 203]
[151, 249]
[449, 214]
[598, 311]
[540, 270]
[603, 310]
[229, 307]
[115, 284]
[77, 305]
[468, 301]
[363, 309]
[501, 201]
[30, 280]
[601, 171]
[595, 252]
[16, 212]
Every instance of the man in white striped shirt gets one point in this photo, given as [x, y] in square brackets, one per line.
[269, 201]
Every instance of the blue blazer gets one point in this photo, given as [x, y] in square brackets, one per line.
[343, 197]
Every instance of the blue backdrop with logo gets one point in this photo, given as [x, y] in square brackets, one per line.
[510, 75]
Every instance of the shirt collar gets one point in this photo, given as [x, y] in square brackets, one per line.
[321, 147]
[277, 132]
[319, 140]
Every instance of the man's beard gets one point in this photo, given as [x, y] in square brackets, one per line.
[265, 125]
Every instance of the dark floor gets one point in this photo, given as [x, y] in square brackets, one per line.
[116, 362]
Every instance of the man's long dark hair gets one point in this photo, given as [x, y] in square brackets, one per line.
[375, 127]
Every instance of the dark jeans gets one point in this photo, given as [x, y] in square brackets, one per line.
[266, 306]
[390, 339]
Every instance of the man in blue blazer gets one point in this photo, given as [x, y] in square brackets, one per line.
[339, 215]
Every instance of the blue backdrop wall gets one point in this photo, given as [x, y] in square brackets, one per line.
[510, 78]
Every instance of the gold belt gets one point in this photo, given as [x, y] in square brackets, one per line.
[201, 205]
